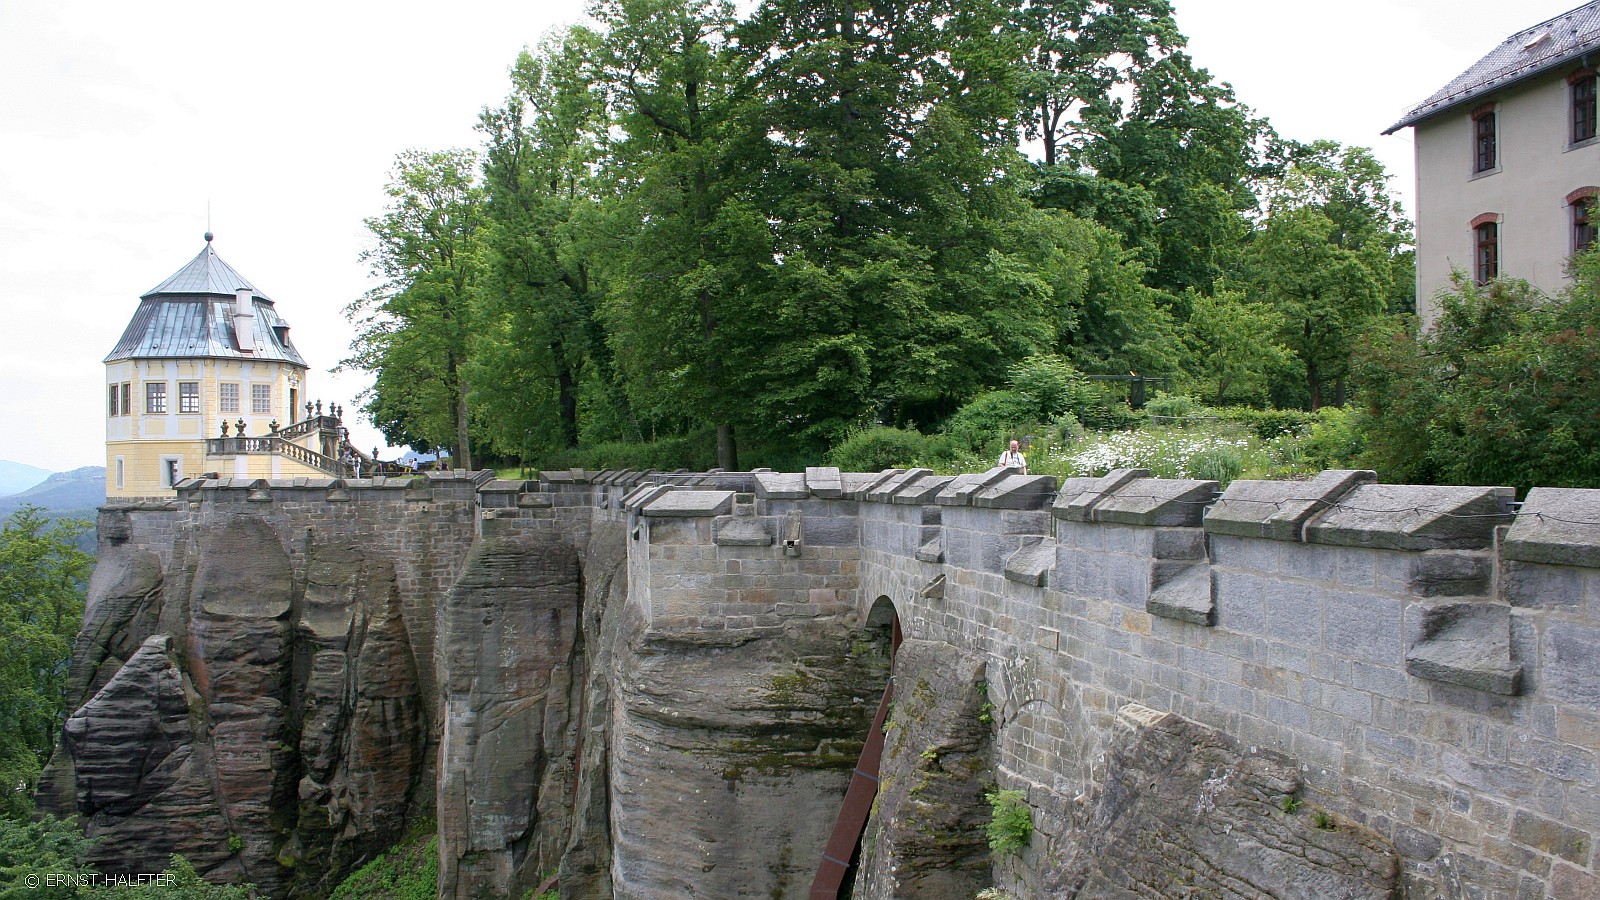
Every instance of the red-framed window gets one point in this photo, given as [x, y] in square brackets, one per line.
[1486, 252]
[1485, 142]
[1583, 105]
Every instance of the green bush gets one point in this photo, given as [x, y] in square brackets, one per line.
[1269, 423]
[695, 451]
[1505, 389]
[1219, 463]
[1173, 406]
[991, 420]
[876, 449]
[1010, 822]
[407, 871]
[1334, 440]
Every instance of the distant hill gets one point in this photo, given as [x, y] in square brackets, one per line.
[65, 495]
[15, 477]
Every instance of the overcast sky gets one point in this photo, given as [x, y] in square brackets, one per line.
[120, 122]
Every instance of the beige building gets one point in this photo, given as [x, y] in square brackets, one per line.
[1508, 162]
[206, 381]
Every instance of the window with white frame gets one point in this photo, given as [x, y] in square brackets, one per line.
[260, 399]
[228, 397]
[155, 398]
[188, 396]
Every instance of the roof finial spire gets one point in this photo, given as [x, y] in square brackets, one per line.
[208, 221]
[208, 237]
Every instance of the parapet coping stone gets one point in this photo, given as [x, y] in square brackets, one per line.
[872, 482]
[922, 491]
[1157, 501]
[960, 491]
[1077, 498]
[1017, 491]
[885, 490]
[781, 486]
[690, 504]
[503, 486]
[824, 481]
[1279, 510]
[1556, 526]
[1413, 517]
[853, 483]
[643, 494]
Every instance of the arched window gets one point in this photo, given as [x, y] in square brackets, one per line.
[1486, 248]
[1582, 203]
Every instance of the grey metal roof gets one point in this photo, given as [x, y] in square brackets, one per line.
[191, 314]
[205, 274]
[1545, 46]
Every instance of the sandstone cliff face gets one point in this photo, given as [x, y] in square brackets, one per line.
[927, 835]
[507, 641]
[730, 754]
[270, 725]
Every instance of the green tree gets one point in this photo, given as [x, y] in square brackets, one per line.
[1230, 346]
[42, 580]
[542, 347]
[679, 243]
[415, 329]
[1332, 256]
[1078, 52]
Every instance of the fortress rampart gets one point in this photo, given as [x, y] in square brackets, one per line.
[1427, 657]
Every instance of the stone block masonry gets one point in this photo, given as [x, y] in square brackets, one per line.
[1425, 661]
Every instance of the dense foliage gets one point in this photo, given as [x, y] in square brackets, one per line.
[1504, 391]
[42, 579]
[745, 238]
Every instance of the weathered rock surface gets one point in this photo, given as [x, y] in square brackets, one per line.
[270, 727]
[1184, 811]
[926, 838]
[363, 728]
[729, 758]
[507, 641]
[585, 869]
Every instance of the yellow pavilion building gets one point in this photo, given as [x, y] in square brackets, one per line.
[205, 381]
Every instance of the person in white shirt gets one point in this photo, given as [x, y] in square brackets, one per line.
[1013, 459]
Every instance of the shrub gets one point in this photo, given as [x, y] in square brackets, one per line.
[1173, 406]
[991, 420]
[876, 449]
[1221, 463]
[407, 871]
[1334, 440]
[1504, 390]
[1010, 822]
[1269, 423]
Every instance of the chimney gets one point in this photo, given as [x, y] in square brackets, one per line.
[244, 319]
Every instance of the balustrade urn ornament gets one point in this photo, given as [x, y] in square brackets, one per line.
[273, 426]
[224, 427]
[239, 426]
[319, 408]
[308, 409]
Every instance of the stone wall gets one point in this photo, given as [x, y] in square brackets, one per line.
[657, 684]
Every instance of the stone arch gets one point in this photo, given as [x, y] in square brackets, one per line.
[883, 625]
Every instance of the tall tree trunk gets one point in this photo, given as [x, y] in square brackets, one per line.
[567, 397]
[727, 452]
[463, 458]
